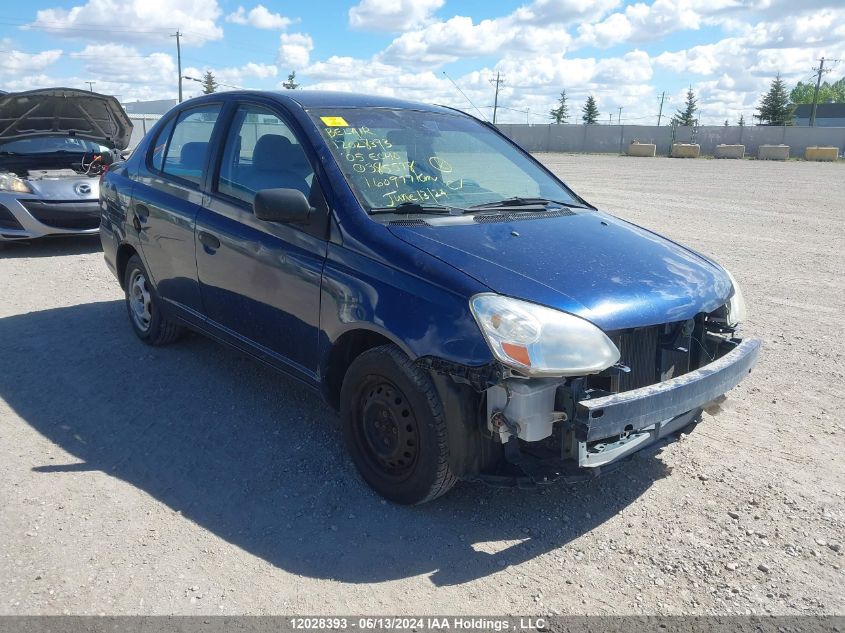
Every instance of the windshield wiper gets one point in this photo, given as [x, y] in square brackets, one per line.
[415, 207]
[517, 202]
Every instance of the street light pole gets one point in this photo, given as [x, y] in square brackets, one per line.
[178, 35]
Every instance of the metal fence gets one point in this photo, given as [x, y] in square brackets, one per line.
[140, 124]
[613, 139]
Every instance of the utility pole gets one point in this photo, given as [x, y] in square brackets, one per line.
[660, 114]
[820, 70]
[90, 85]
[496, 82]
[178, 35]
[619, 118]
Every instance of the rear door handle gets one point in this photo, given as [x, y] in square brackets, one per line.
[208, 240]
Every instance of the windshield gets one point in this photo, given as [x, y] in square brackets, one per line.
[51, 145]
[396, 156]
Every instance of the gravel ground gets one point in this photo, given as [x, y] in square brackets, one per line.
[192, 480]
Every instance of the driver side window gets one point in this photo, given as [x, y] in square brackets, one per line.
[261, 152]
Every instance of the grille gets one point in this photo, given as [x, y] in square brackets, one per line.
[638, 350]
[61, 214]
[513, 216]
[7, 220]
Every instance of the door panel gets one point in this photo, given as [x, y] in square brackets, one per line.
[166, 215]
[166, 202]
[261, 280]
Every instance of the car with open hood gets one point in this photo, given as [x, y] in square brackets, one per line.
[54, 145]
[467, 313]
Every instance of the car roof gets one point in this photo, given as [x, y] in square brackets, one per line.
[329, 99]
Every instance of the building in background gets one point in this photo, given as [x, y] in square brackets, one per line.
[150, 107]
[827, 114]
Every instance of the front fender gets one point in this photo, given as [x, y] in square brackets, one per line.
[421, 317]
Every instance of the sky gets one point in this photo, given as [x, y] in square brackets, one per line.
[625, 54]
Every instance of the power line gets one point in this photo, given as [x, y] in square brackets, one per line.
[464, 95]
[60, 26]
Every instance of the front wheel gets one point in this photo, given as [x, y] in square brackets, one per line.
[149, 324]
[394, 426]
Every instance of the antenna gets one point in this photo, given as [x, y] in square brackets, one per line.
[464, 95]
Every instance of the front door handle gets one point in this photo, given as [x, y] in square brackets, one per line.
[208, 240]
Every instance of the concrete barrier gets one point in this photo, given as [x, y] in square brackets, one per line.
[611, 139]
[729, 151]
[685, 150]
[642, 149]
[773, 152]
[821, 153]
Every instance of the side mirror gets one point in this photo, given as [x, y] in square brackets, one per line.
[282, 205]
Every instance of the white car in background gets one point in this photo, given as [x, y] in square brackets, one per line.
[54, 144]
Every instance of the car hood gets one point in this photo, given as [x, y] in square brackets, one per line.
[608, 271]
[52, 111]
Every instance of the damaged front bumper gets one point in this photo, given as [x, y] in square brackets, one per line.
[601, 431]
[641, 416]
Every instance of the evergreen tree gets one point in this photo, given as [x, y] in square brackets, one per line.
[686, 116]
[560, 114]
[590, 110]
[290, 84]
[774, 108]
[741, 122]
[209, 84]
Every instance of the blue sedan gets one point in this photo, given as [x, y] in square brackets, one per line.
[467, 313]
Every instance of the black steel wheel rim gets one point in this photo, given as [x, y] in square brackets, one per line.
[388, 432]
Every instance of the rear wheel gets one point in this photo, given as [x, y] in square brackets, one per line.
[394, 427]
[149, 324]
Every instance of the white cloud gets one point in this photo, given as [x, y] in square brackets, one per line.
[125, 64]
[392, 15]
[539, 26]
[542, 12]
[15, 63]
[260, 18]
[295, 50]
[459, 37]
[134, 20]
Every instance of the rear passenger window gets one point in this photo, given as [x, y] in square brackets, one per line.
[261, 152]
[160, 145]
[184, 155]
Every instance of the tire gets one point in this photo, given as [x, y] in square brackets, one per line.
[394, 427]
[142, 305]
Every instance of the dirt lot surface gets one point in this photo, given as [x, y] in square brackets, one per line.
[192, 480]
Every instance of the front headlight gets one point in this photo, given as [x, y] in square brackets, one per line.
[540, 341]
[736, 304]
[10, 182]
